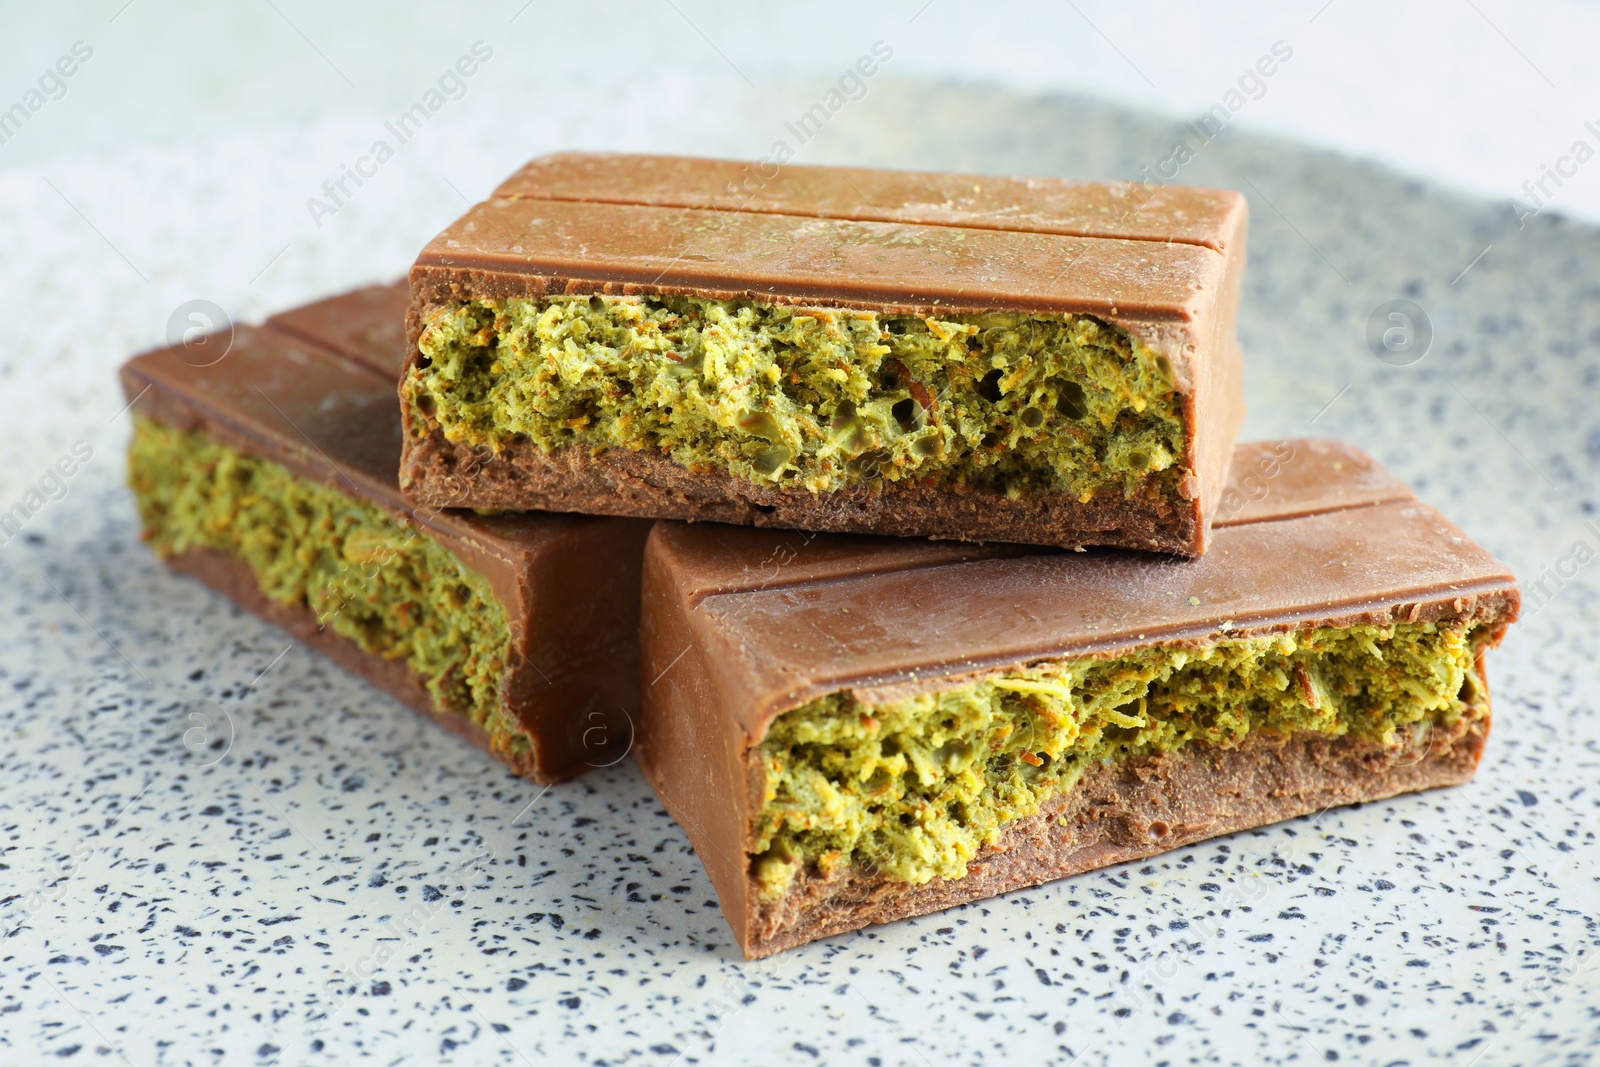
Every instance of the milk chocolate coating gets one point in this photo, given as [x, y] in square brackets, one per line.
[1163, 264]
[319, 401]
[366, 326]
[1031, 205]
[1124, 210]
[740, 626]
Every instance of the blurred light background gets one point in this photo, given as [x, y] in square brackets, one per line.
[1476, 93]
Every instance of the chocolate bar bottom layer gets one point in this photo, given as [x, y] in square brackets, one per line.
[233, 578]
[441, 473]
[1130, 810]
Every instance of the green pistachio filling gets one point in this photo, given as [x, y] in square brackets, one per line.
[821, 398]
[368, 575]
[914, 788]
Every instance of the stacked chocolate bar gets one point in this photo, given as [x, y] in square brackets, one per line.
[850, 728]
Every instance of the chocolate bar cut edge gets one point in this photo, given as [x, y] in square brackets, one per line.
[1130, 810]
[558, 670]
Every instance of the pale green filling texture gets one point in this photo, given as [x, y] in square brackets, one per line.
[913, 789]
[366, 574]
[820, 398]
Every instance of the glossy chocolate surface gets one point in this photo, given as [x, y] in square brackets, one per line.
[365, 325]
[1181, 214]
[558, 246]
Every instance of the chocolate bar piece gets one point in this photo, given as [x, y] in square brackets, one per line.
[853, 730]
[270, 475]
[832, 349]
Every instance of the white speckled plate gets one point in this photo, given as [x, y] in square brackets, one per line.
[344, 883]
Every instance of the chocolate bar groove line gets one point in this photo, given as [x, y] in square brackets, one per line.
[307, 404]
[1331, 545]
[1049, 441]
[1111, 210]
